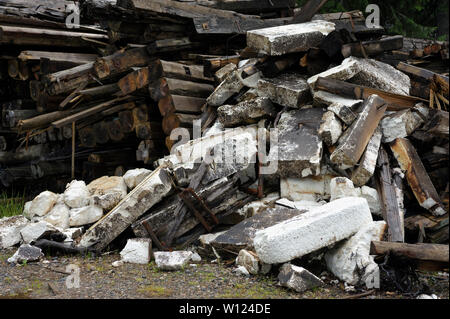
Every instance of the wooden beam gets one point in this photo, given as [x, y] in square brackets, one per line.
[426, 252]
[417, 176]
[309, 10]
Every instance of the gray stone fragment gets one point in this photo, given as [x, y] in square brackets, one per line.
[26, 253]
[10, 228]
[369, 73]
[350, 260]
[299, 149]
[311, 231]
[362, 174]
[289, 89]
[402, 124]
[42, 204]
[35, 231]
[76, 194]
[298, 278]
[331, 128]
[246, 112]
[241, 235]
[85, 215]
[135, 176]
[137, 251]
[170, 261]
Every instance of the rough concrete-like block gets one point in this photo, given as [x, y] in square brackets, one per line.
[137, 251]
[311, 231]
[289, 38]
[175, 260]
[246, 112]
[401, 124]
[299, 149]
[248, 260]
[373, 199]
[344, 108]
[85, 215]
[241, 235]
[342, 187]
[107, 192]
[232, 84]
[343, 72]
[10, 228]
[362, 174]
[256, 207]
[369, 73]
[59, 216]
[350, 260]
[290, 90]
[135, 176]
[42, 204]
[35, 231]
[76, 194]
[309, 188]
[331, 128]
[298, 278]
[26, 253]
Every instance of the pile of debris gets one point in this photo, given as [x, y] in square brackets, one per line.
[319, 139]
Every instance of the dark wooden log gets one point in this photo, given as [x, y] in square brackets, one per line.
[87, 137]
[101, 132]
[181, 104]
[178, 120]
[149, 131]
[120, 62]
[428, 252]
[372, 48]
[309, 10]
[115, 130]
[134, 81]
[164, 87]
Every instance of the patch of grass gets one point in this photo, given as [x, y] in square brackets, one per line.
[243, 291]
[11, 206]
[156, 292]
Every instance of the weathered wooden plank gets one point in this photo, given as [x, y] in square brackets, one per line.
[392, 213]
[151, 191]
[309, 10]
[417, 176]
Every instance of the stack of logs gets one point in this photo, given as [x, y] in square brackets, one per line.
[126, 77]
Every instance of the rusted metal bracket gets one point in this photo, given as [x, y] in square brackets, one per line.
[184, 195]
[155, 239]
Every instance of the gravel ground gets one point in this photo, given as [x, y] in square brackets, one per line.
[100, 280]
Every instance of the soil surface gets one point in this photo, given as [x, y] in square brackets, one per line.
[100, 280]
